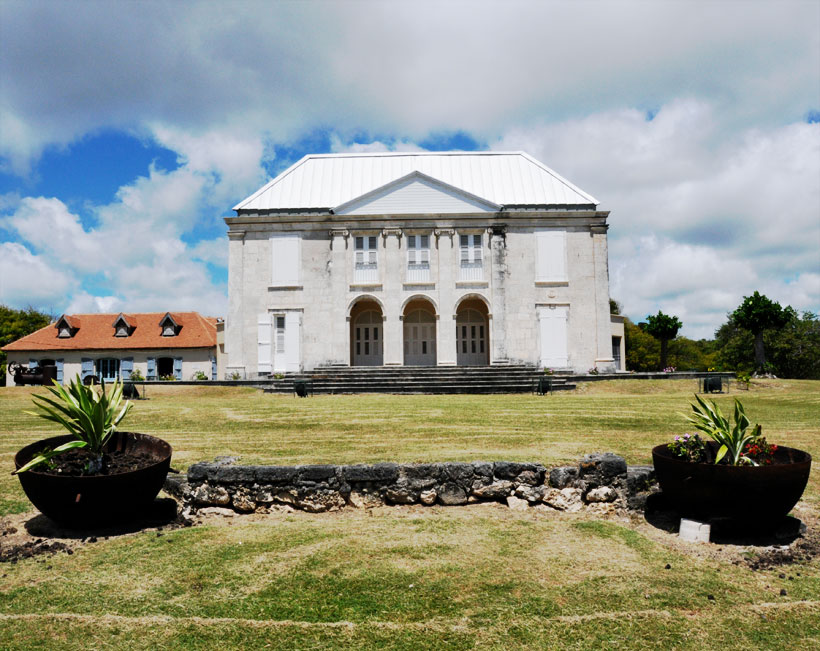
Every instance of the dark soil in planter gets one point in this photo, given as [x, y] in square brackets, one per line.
[73, 463]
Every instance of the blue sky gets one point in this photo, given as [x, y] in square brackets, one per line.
[128, 130]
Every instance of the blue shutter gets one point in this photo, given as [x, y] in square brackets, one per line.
[178, 368]
[59, 363]
[87, 367]
[32, 363]
[151, 371]
[126, 367]
[213, 367]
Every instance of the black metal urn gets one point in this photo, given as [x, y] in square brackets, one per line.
[93, 500]
[749, 496]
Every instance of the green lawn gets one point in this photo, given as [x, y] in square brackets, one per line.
[414, 577]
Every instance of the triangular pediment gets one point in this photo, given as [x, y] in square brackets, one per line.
[414, 194]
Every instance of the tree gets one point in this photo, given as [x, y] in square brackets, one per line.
[614, 306]
[756, 314]
[664, 328]
[795, 348]
[15, 324]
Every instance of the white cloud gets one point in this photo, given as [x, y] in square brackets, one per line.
[212, 251]
[282, 69]
[27, 279]
[698, 218]
[134, 258]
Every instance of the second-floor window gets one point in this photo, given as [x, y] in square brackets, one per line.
[418, 258]
[366, 269]
[471, 262]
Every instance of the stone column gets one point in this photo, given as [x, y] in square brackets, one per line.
[497, 234]
[392, 295]
[338, 330]
[603, 327]
[234, 325]
[446, 283]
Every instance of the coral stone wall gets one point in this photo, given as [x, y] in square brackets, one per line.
[601, 479]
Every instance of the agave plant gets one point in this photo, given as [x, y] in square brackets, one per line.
[91, 414]
[732, 438]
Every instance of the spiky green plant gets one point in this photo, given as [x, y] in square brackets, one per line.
[91, 414]
[732, 438]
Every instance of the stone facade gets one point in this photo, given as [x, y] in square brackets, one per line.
[446, 282]
[601, 482]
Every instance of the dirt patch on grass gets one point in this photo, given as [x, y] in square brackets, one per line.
[797, 542]
[27, 535]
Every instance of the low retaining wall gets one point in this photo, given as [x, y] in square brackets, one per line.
[600, 480]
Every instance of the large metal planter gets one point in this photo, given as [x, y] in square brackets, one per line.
[751, 496]
[96, 499]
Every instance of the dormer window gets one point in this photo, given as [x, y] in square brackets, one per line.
[121, 327]
[170, 328]
[64, 328]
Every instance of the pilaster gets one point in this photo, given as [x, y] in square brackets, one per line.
[338, 328]
[393, 263]
[603, 327]
[234, 325]
[446, 282]
[497, 235]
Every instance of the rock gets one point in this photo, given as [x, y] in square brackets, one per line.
[602, 494]
[452, 494]
[216, 510]
[316, 472]
[362, 500]
[208, 495]
[263, 496]
[380, 472]
[242, 501]
[482, 469]
[511, 470]
[601, 466]
[177, 486]
[517, 504]
[285, 497]
[639, 478]
[459, 473]
[529, 477]
[564, 499]
[321, 502]
[563, 476]
[428, 497]
[401, 493]
[199, 471]
[498, 490]
[275, 474]
[421, 470]
[232, 474]
[532, 494]
[603, 509]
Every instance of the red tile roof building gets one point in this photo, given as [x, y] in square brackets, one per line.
[181, 344]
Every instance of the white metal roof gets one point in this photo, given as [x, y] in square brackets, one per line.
[325, 181]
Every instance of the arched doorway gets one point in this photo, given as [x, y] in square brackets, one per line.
[472, 333]
[419, 333]
[366, 334]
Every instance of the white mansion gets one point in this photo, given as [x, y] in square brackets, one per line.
[419, 259]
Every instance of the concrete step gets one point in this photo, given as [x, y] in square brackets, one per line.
[418, 379]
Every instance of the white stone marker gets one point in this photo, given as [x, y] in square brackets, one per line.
[694, 531]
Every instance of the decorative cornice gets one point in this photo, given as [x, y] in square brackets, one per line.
[391, 231]
[438, 232]
[236, 236]
[339, 232]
